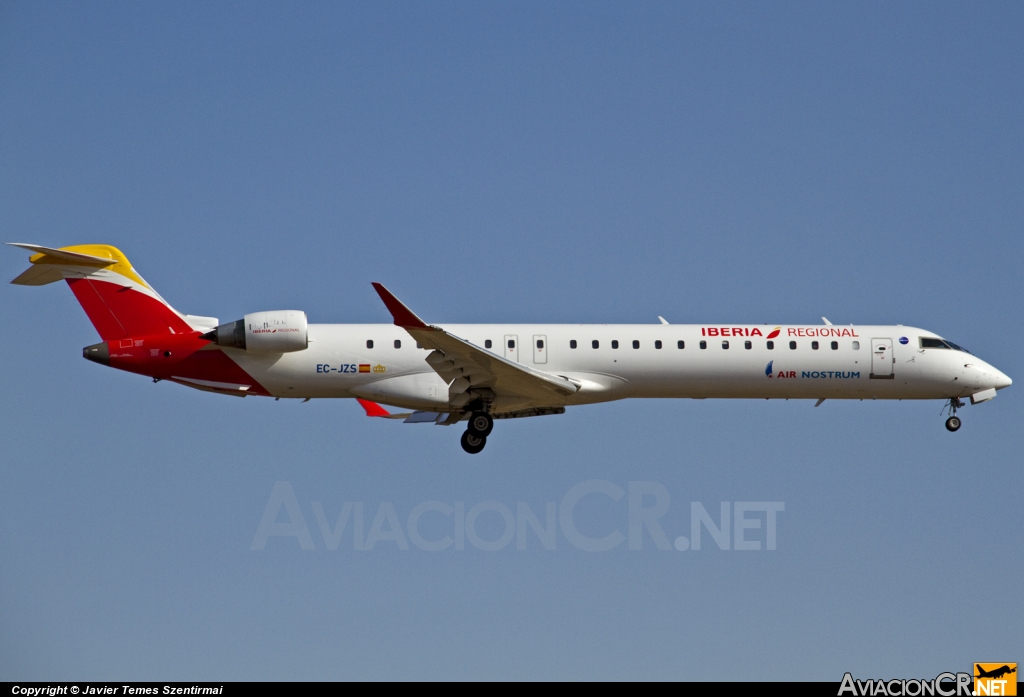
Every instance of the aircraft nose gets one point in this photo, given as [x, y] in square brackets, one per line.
[1002, 380]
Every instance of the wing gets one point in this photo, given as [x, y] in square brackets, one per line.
[467, 367]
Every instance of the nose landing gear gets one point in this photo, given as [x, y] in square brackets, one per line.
[475, 438]
[953, 422]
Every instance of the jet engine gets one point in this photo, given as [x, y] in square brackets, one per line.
[278, 331]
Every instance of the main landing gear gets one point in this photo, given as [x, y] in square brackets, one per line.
[475, 438]
[953, 422]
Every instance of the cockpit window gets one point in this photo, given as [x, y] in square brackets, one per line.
[940, 344]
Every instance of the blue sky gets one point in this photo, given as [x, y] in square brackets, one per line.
[569, 162]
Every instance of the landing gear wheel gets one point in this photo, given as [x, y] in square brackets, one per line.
[481, 424]
[953, 423]
[473, 443]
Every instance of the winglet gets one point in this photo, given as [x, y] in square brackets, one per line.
[404, 317]
[372, 408]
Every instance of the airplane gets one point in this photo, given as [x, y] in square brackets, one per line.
[996, 673]
[481, 372]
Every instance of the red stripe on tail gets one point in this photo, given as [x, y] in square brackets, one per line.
[118, 311]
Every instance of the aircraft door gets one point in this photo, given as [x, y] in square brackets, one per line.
[512, 347]
[882, 359]
[540, 348]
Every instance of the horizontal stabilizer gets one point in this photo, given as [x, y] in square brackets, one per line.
[61, 255]
[38, 276]
[43, 269]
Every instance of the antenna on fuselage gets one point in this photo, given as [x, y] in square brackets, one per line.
[663, 320]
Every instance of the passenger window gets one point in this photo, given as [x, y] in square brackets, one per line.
[595, 343]
[835, 345]
[398, 343]
[725, 344]
[572, 343]
[369, 343]
[856, 346]
[615, 343]
[511, 343]
[703, 344]
[657, 344]
[636, 344]
[814, 345]
[540, 343]
[747, 345]
[771, 345]
[681, 344]
[488, 343]
[792, 344]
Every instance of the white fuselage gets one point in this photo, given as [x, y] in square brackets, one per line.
[851, 362]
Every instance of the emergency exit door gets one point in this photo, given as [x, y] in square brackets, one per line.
[882, 359]
[540, 348]
[512, 347]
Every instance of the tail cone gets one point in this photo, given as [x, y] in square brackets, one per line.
[97, 353]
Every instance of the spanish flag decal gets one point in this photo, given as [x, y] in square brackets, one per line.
[364, 367]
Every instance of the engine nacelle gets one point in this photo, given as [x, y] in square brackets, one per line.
[278, 331]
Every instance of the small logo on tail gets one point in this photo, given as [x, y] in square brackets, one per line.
[768, 369]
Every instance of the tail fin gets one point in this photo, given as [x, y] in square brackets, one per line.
[117, 300]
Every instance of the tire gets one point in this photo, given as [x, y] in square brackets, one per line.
[473, 443]
[953, 424]
[481, 424]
